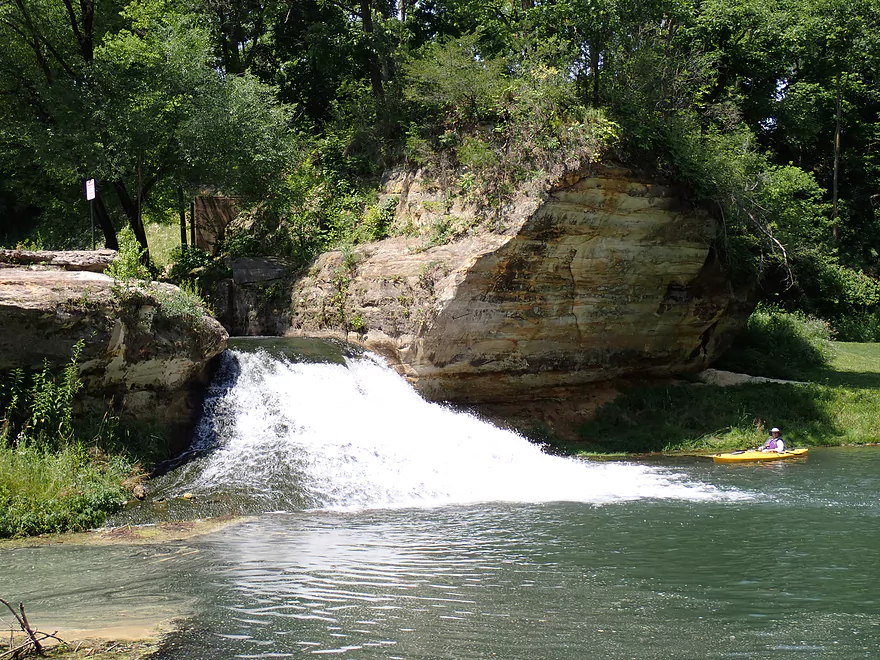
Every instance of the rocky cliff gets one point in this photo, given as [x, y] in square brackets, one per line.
[607, 275]
[146, 345]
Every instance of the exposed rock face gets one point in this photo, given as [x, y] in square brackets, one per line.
[256, 299]
[141, 345]
[612, 275]
[95, 261]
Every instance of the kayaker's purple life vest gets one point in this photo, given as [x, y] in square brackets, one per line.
[772, 442]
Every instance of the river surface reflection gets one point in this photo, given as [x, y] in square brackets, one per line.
[791, 571]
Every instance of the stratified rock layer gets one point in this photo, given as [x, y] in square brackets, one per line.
[612, 276]
[95, 261]
[142, 346]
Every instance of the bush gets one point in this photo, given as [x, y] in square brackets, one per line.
[128, 265]
[185, 260]
[859, 326]
[503, 125]
[42, 413]
[49, 480]
[57, 491]
[780, 344]
[183, 302]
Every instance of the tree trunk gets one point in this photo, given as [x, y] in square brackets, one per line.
[372, 55]
[835, 227]
[134, 218]
[594, 70]
[104, 222]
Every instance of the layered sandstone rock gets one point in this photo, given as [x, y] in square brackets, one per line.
[608, 275]
[144, 345]
[95, 261]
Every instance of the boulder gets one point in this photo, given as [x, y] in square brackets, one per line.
[147, 345]
[609, 274]
[252, 270]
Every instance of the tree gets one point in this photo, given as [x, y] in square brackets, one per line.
[127, 93]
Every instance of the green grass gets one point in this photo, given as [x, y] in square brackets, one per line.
[162, 240]
[69, 489]
[839, 406]
[852, 365]
[61, 471]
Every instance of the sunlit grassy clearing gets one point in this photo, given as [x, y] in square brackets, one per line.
[162, 240]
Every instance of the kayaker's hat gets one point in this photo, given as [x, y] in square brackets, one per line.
[775, 430]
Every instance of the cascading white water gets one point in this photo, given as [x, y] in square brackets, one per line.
[317, 435]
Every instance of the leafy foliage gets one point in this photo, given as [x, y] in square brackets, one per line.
[129, 265]
[49, 481]
[500, 123]
[41, 414]
[781, 344]
[766, 111]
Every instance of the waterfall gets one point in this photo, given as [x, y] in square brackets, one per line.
[288, 434]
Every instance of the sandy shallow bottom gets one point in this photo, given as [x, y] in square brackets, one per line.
[132, 639]
[129, 534]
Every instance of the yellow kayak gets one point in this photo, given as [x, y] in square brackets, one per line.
[752, 455]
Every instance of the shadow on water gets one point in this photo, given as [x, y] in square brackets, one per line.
[648, 419]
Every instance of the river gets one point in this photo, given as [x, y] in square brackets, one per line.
[387, 527]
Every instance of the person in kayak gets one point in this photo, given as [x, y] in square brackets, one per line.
[774, 442]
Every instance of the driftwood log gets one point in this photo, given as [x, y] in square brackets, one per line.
[34, 637]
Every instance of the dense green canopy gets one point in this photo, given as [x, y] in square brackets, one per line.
[767, 110]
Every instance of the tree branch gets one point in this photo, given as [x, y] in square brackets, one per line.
[25, 626]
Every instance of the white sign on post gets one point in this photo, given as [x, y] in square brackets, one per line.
[90, 189]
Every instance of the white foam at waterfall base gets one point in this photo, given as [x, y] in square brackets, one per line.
[358, 436]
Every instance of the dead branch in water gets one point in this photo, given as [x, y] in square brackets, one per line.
[34, 636]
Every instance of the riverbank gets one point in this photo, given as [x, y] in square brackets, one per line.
[117, 642]
[132, 636]
[837, 405]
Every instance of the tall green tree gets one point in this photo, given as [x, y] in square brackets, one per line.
[127, 93]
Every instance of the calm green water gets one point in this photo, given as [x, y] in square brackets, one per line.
[791, 572]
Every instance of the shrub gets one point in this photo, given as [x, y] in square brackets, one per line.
[863, 326]
[502, 125]
[65, 490]
[49, 480]
[781, 344]
[42, 413]
[183, 302]
[185, 260]
[128, 265]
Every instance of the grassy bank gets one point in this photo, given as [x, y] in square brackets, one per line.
[837, 406]
[63, 469]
